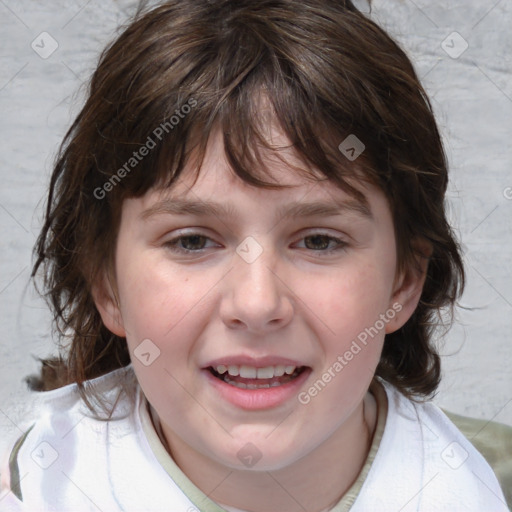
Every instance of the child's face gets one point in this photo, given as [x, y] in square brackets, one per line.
[260, 290]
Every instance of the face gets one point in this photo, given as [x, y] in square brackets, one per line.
[255, 316]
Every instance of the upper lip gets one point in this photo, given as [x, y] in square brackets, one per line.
[256, 362]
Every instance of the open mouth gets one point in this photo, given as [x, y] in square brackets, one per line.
[245, 377]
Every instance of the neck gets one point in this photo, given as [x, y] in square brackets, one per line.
[314, 483]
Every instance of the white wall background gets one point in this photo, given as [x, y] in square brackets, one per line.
[472, 96]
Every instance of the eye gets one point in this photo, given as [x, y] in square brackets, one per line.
[187, 244]
[196, 243]
[323, 243]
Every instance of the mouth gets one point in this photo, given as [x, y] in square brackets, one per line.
[250, 377]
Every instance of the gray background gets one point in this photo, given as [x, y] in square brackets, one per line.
[472, 97]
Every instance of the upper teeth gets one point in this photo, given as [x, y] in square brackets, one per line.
[250, 372]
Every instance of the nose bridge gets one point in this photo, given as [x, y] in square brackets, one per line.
[256, 297]
[257, 276]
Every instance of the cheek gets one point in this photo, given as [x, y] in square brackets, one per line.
[158, 305]
[349, 300]
[350, 309]
[154, 298]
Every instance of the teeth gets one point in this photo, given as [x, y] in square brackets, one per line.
[250, 372]
[233, 370]
[265, 373]
[242, 385]
[278, 370]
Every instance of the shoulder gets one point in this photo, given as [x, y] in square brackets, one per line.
[72, 459]
[494, 441]
[424, 462]
[63, 430]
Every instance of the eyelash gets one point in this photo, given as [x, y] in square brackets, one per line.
[172, 244]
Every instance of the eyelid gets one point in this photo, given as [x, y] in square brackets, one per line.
[341, 243]
[173, 242]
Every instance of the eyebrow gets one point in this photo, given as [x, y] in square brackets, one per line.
[295, 209]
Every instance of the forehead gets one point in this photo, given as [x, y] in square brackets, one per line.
[216, 191]
[294, 178]
[281, 165]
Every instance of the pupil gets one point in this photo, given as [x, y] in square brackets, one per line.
[193, 242]
[320, 241]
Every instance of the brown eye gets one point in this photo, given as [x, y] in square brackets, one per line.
[322, 244]
[317, 242]
[188, 243]
[193, 242]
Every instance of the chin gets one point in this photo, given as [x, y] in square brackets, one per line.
[253, 455]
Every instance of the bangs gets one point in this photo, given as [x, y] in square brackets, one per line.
[241, 78]
[257, 122]
[248, 118]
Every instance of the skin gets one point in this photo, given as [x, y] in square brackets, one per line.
[297, 299]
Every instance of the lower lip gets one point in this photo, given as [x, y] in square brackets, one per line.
[254, 399]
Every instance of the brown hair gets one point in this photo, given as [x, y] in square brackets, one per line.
[327, 70]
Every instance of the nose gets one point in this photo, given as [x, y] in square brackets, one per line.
[256, 297]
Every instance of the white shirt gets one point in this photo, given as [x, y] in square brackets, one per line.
[71, 461]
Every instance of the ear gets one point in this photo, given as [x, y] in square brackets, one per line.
[107, 303]
[409, 286]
